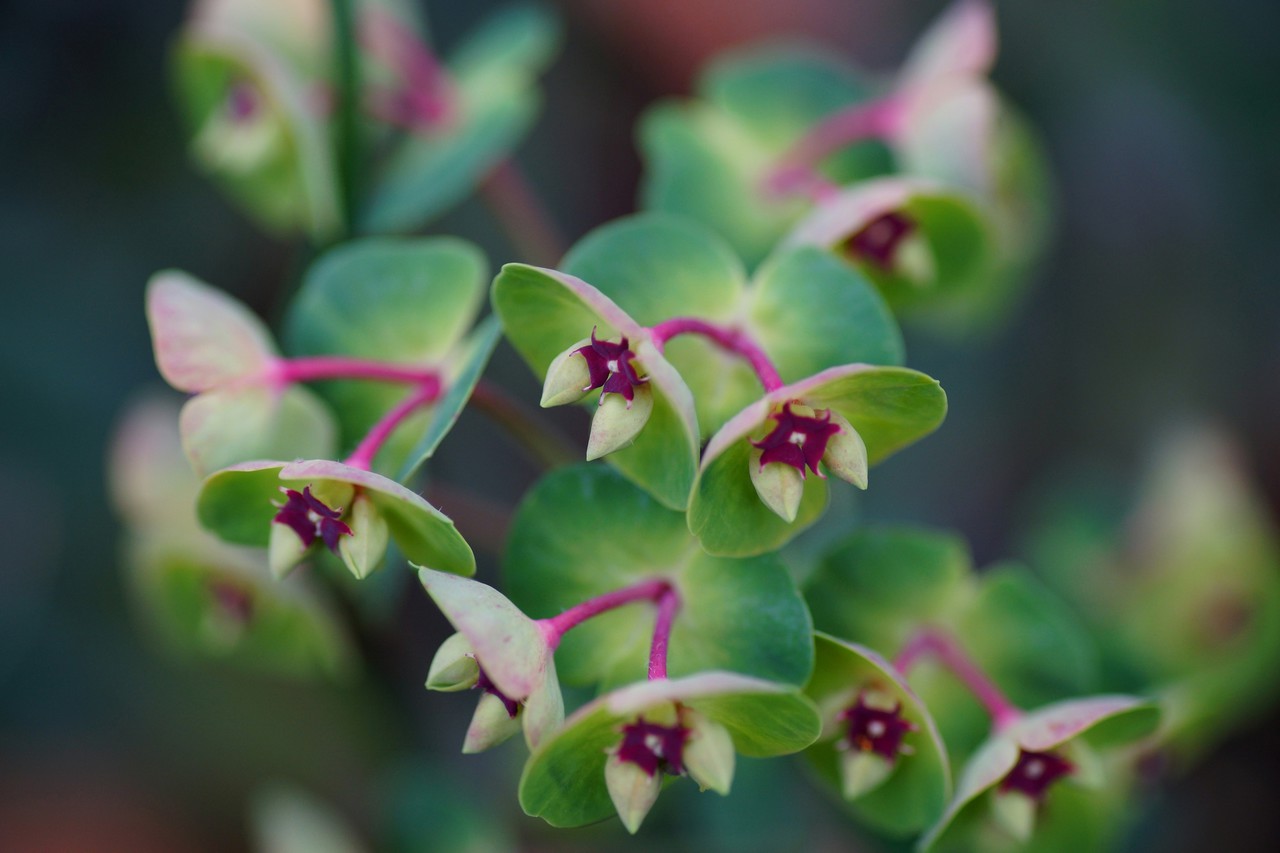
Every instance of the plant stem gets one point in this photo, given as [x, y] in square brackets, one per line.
[733, 340]
[347, 127]
[657, 590]
[310, 369]
[947, 650]
[363, 456]
[668, 605]
[794, 172]
[540, 439]
[524, 218]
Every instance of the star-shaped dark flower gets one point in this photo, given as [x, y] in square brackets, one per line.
[653, 747]
[1035, 772]
[878, 730]
[797, 440]
[877, 242]
[610, 368]
[310, 517]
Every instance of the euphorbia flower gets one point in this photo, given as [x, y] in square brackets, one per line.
[845, 417]
[613, 754]
[610, 366]
[240, 504]
[1022, 763]
[879, 745]
[499, 651]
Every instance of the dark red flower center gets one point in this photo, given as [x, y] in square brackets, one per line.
[1035, 772]
[797, 440]
[877, 730]
[878, 240]
[242, 101]
[232, 599]
[310, 517]
[653, 747]
[610, 368]
[483, 682]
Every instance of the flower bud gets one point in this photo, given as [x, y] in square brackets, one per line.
[708, 755]
[633, 790]
[861, 772]
[618, 421]
[454, 667]
[780, 486]
[284, 550]
[568, 377]
[846, 454]
[364, 549]
[490, 725]
[1015, 812]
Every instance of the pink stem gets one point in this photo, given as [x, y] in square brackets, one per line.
[286, 371]
[367, 449]
[795, 172]
[555, 627]
[953, 657]
[733, 340]
[422, 97]
[668, 605]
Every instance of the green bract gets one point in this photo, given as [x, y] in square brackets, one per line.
[1097, 722]
[239, 502]
[709, 158]
[492, 76]
[407, 302]
[917, 787]
[208, 344]
[585, 531]
[909, 579]
[564, 779]
[889, 407]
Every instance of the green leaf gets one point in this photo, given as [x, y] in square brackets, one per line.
[917, 790]
[407, 301]
[464, 374]
[900, 577]
[493, 73]
[546, 312]
[585, 531]
[890, 407]
[563, 781]
[703, 164]
[657, 266]
[810, 312]
[777, 93]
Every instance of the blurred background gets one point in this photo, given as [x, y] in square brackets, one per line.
[1155, 306]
